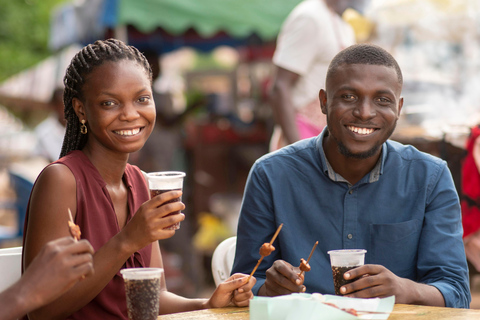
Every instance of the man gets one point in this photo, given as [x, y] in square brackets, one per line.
[310, 37]
[351, 188]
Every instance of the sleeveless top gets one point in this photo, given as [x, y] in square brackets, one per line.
[98, 223]
[470, 195]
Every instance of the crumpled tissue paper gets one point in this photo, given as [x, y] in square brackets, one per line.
[315, 306]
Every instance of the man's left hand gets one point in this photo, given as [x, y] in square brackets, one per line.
[375, 281]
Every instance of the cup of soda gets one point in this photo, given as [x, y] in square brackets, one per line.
[343, 260]
[164, 181]
[142, 289]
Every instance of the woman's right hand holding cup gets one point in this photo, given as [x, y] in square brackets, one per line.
[153, 217]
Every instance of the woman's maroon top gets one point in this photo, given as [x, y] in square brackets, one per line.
[98, 223]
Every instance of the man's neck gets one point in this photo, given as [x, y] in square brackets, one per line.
[351, 169]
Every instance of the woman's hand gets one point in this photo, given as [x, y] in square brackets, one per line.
[235, 291]
[149, 222]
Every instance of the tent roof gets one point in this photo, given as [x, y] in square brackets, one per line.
[186, 22]
[207, 17]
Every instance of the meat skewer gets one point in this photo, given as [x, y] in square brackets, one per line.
[266, 249]
[74, 229]
[304, 266]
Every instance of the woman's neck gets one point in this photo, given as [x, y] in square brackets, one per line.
[111, 166]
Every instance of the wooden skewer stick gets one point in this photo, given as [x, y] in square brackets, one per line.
[261, 258]
[71, 225]
[70, 214]
[311, 253]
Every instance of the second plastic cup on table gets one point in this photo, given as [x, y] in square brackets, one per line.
[342, 261]
[142, 289]
[164, 181]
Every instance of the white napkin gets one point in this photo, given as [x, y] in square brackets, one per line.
[313, 307]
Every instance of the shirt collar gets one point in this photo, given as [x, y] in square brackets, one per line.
[327, 168]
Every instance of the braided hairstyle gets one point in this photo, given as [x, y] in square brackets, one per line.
[82, 64]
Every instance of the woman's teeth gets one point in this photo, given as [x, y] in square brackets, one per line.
[128, 132]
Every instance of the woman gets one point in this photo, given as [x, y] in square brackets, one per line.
[110, 113]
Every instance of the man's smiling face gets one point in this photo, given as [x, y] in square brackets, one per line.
[362, 103]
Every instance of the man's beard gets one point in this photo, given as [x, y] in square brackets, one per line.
[363, 155]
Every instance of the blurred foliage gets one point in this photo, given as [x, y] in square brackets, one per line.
[24, 32]
[206, 61]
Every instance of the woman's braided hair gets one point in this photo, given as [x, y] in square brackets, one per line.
[82, 64]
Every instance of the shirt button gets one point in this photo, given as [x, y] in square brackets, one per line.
[350, 236]
[350, 191]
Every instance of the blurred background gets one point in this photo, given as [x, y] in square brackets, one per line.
[213, 62]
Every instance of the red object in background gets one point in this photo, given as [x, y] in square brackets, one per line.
[214, 133]
[470, 200]
[220, 158]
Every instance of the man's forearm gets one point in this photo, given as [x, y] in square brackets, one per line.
[282, 105]
[284, 113]
[422, 294]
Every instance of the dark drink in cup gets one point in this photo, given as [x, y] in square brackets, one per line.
[342, 261]
[164, 181]
[154, 193]
[142, 290]
[338, 279]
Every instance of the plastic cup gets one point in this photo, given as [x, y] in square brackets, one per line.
[142, 289]
[342, 261]
[164, 181]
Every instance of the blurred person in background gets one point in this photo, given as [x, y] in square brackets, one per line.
[470, 202]
[313, 33]
[50, 131]
[158, 152]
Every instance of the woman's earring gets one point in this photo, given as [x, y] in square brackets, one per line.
[83, 127]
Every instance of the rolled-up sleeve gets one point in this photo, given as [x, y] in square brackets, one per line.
[441, 254]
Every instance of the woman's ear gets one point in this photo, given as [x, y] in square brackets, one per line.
[79, 109]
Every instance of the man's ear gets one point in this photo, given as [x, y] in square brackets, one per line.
[79, 109]
[322, 95]
[400, 105]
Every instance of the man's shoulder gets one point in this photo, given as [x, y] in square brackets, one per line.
[406, 152]
[293, 152]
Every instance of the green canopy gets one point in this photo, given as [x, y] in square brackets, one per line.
[238, 18]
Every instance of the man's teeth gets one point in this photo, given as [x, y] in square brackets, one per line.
[128, 132]
[360, 130]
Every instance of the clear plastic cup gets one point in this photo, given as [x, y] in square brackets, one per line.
[342, 261]
[142, 289]
[164, 181]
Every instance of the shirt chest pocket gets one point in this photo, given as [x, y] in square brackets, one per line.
[395, 246]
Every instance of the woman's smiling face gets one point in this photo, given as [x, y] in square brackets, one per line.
[362, 103]
[118, 106]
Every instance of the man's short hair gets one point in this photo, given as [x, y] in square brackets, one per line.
[364, 54]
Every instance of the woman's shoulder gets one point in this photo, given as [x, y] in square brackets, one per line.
[56, 175]
[135, 174]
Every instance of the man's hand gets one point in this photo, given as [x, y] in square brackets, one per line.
[282, 278]
[377, 281]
